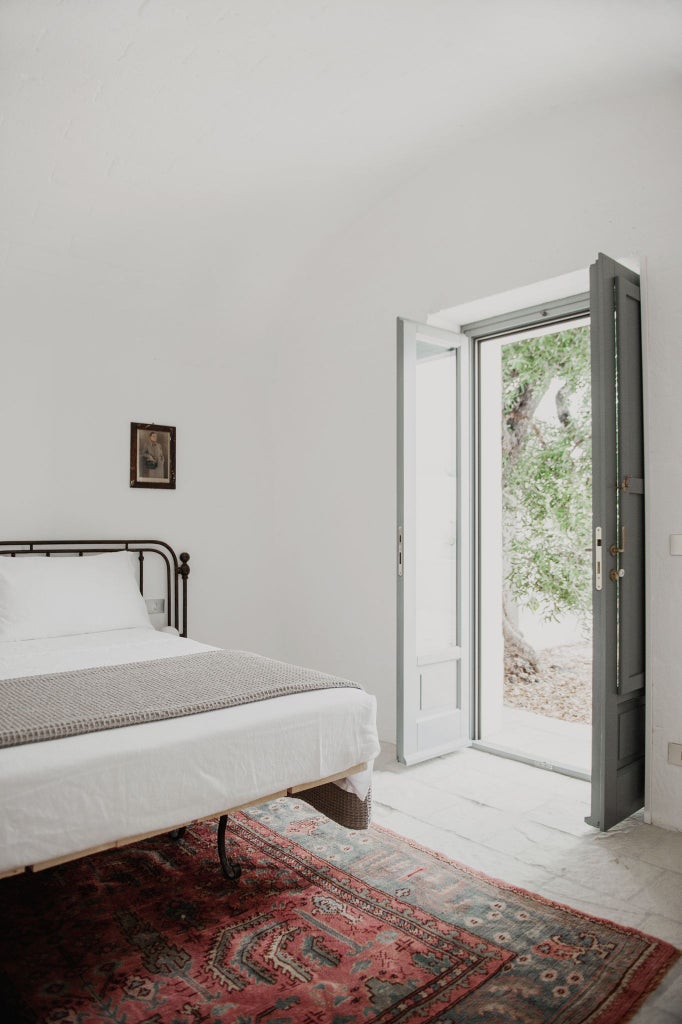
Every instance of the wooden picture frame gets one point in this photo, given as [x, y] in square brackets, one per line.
[152, 455]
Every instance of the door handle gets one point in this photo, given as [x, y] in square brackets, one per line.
[614, 549]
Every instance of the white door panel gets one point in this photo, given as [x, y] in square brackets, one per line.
[433, 521]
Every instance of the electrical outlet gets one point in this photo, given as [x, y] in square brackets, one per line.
[675, 753]
[155, 605]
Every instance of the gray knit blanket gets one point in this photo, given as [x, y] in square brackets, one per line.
[49, 707]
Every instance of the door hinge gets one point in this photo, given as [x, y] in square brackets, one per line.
[400, 551]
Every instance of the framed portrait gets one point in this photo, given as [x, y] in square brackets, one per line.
[152, 455]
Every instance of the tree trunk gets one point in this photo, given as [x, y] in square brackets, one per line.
[517, 422]
[520, 659]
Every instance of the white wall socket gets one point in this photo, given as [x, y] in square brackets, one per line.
[675, 753]
[155, 605]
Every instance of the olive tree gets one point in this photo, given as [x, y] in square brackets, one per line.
[546, 478]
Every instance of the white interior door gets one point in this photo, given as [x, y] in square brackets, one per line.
[433, 541]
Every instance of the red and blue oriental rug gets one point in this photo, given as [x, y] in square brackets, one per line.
[325, 926]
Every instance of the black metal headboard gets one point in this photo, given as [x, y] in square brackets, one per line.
[177, 568]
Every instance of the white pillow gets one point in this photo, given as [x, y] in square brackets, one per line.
[66, 595]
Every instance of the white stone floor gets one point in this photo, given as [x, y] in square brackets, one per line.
[526, 826]
[545, 739]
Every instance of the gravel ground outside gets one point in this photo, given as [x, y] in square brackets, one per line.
[563, 689]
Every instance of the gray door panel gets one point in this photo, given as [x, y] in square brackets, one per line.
[631, 462]
[618, 509]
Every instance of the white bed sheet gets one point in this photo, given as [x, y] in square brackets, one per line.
[63, 796]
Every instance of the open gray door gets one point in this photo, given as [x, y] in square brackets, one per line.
[618, 703]
[433, 542]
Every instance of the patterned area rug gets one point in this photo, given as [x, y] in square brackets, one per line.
[325, 926]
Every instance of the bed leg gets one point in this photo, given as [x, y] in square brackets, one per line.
[231, 869]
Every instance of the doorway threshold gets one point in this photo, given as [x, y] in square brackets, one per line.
[548, 766]
[543, 740]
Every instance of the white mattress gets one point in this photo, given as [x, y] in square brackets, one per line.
[63, 796]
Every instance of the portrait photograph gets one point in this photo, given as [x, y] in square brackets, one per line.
[152, 455]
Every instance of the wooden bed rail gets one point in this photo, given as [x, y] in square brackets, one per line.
[129, 840]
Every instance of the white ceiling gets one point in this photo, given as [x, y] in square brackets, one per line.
[291, 117]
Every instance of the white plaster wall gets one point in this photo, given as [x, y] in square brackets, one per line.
[513, 209]
[89, 346]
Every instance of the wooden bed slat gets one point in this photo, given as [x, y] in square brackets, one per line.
[330, 778]
[12, 871]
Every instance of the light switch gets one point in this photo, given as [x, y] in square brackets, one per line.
[676, 543]
[675, 753]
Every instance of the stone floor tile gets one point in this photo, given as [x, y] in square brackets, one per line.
[594, 867]
[407, 794]
[564, 815]
[648, 843]
[472, 820]
[662, 896]
[663, 926]
[534, 843]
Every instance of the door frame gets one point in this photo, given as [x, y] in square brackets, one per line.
[548, 316]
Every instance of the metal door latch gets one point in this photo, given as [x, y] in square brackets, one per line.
[597, 558]
[616, 574]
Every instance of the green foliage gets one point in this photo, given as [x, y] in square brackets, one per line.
[546, 472]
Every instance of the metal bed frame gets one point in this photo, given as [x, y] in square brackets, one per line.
[177, 568]
[177, 572]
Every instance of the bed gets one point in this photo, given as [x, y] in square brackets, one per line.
[70, 796]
